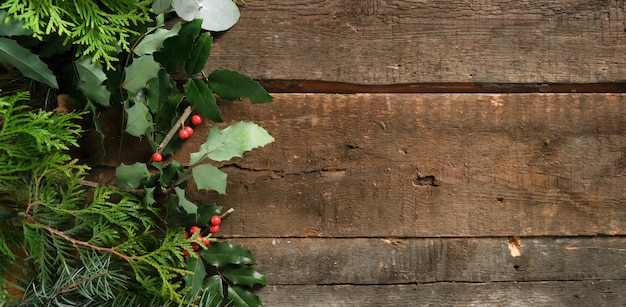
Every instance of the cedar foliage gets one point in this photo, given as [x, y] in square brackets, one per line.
[97, 28]
[79, 241]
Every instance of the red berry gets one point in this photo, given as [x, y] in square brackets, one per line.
[186, 253]
[206, 242]
[214, 228]
[193, 229]
[216, 220]
[157, 157]
[196, 120]
[186, 234]
[189, 129]
[184, 133]
[195, 246]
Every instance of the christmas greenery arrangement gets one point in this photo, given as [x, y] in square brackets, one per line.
[67, 241]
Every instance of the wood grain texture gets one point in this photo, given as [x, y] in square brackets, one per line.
[387, 261]
[548, 294]
[429, 166]
[400, 41]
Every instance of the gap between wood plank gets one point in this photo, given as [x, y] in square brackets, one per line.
[329, 87]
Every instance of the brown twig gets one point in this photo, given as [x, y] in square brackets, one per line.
[170, 134]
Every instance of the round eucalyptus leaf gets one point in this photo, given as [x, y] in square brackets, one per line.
[216, 15]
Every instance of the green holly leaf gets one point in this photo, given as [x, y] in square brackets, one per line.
[200, 54]
[188, 206]
[154, 41]
[171, 173]
[26, 62]
[243, 297]
[138, 120]
[233, 141]
[220, 254]
[176, 50]
[148, 198]
[244, 275]
[139, 73]
[12, 27]
[91, 76]
[210, 178]
[131, 176]
[213, 292]
[202, 100]
[97, 126]
[159, 89]
[231, 85]
[196, 280]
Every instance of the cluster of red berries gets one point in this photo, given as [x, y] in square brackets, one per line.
[187, 131]
[183, 133]
[215, 227]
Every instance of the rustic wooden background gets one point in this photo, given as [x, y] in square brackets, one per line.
[464, 167]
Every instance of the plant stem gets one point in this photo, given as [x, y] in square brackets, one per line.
[170, 134]
[61, 234]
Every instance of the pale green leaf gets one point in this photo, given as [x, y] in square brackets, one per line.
[216, 15]
[137, 120]
[233, 141]
[210, 178]
[161, 6]
[131, 176]
[139, 72]
[202, 100]
[188, 206]
[90, 81]
[26, 62]
[231, 85]
[154, 41]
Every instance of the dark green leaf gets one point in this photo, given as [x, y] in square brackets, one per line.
[188, 206]
[196, 280]
[213, 292]
[148, 198]
[242, 297]
[170, 173]
[233, 141]
[220, 254]
[203, 217]
[131, 176]
[244, 275]
[158, 88]
[97, 126]
[11, 26]
[210, 178]
[154, 41]
[139, 72]
[176, 50]
[91, 76]
[166, 116]
[231, 85]
[138, 120]
[200, 54]
[202, 100]
[26, 62]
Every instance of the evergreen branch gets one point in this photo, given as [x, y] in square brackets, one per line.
[61, 234]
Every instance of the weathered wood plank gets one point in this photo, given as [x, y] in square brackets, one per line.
[549, 294]
[399, 41]
[386, 261]
[429, 165]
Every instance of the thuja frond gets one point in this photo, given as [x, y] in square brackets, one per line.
[35, 140]
[97, 28]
